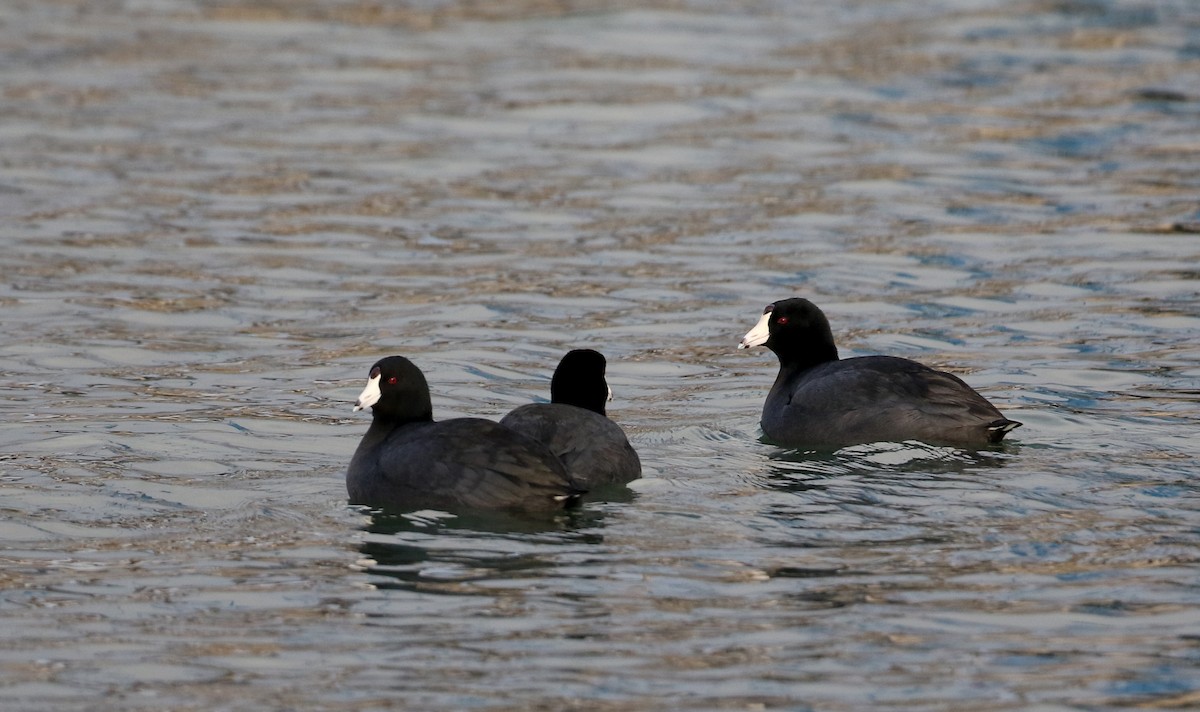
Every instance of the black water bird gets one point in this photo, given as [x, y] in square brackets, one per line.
[821, 401]
[407, 461]
[574, 424]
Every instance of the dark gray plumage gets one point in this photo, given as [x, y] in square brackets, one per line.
[821, 401]
[575, 427]
[407, 461]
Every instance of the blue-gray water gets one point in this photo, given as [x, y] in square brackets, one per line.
[217, 215]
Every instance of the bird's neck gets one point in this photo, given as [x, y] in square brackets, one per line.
[807, 358]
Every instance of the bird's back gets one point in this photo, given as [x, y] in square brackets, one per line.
[592, 447]
[464, 463]
[878, 398]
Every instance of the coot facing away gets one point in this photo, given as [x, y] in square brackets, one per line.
[574, 424]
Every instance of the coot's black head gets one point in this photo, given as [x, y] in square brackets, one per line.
[396, 390]
[796, 330]
[579, 381]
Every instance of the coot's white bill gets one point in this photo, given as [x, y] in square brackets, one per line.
[759, 334]
[370, 394]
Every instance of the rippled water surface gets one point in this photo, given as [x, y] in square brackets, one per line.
[217, 214]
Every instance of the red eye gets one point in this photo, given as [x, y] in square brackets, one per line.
[392, 380]
[781, 320]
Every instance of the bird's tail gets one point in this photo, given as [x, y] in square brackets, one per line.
[997, 429]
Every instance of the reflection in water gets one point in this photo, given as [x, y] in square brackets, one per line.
[800, 470]
[431, 551]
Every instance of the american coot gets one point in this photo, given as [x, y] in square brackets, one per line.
[574, 426]
[406, 461]
[823, 402]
